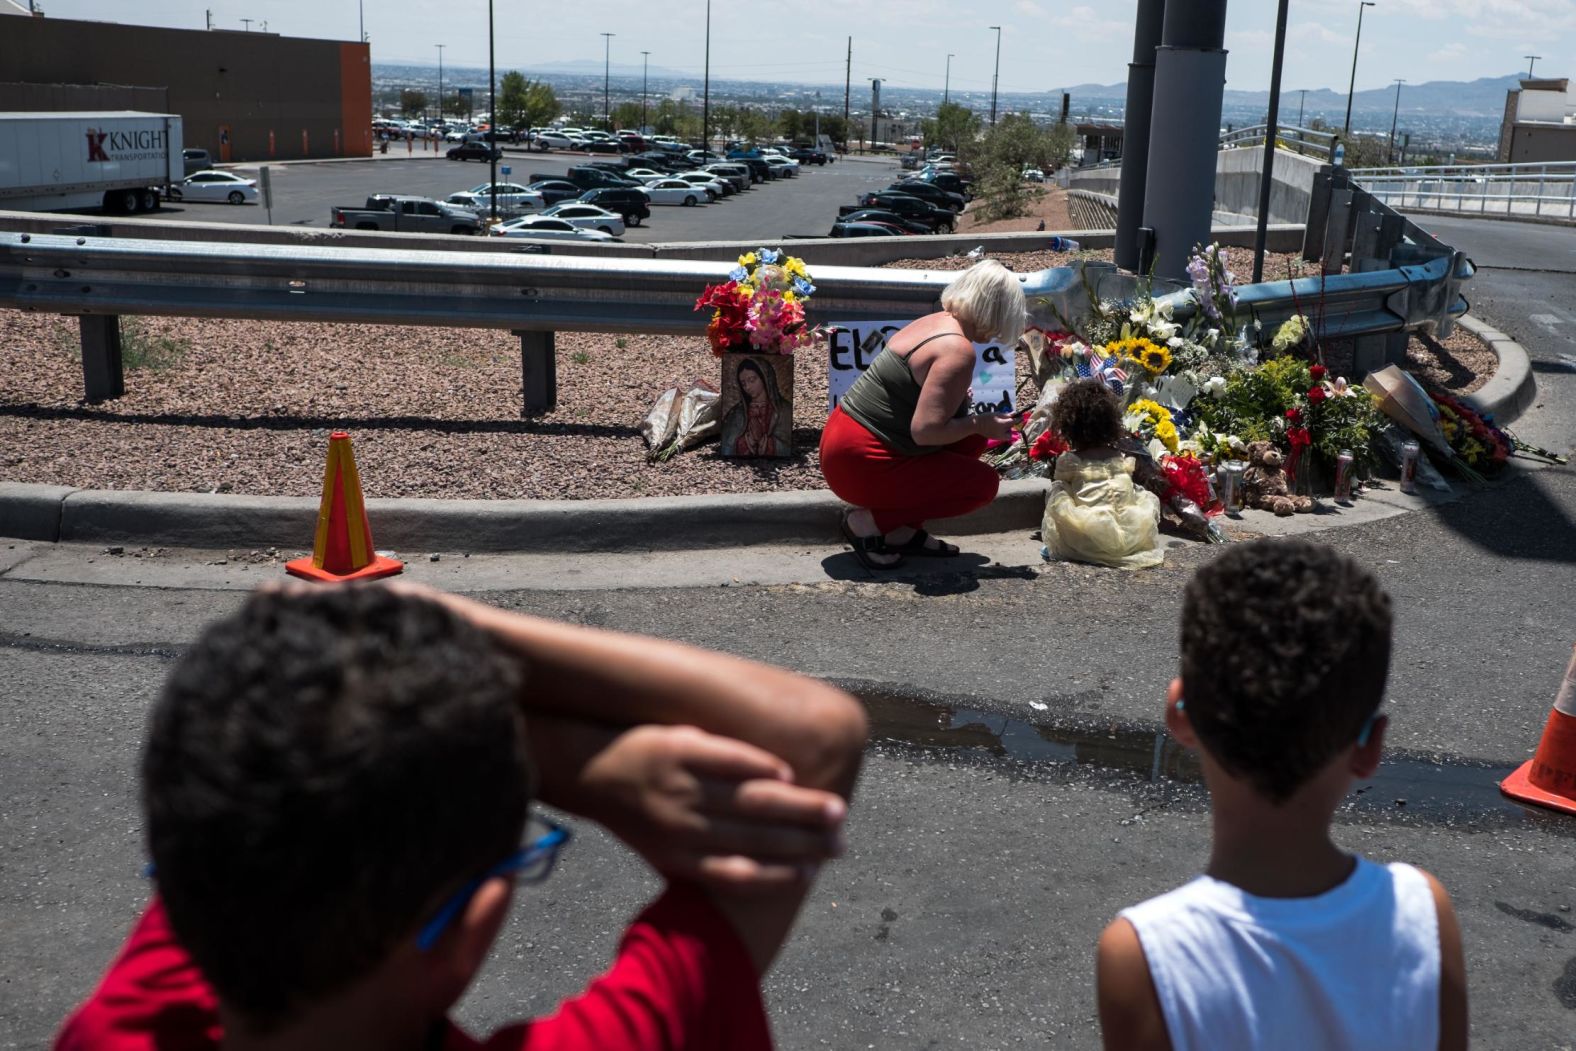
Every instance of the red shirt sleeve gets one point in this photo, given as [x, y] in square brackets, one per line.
[682, 981]
[152, 999]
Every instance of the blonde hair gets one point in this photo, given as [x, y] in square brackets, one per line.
[988, 298]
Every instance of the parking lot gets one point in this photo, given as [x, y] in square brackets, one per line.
[303, 193]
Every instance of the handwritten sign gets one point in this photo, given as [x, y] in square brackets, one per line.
[851, 347]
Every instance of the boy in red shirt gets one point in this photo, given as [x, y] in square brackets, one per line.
[336, 783]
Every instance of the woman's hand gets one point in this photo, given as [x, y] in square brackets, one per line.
[712, 809]
[995, 426]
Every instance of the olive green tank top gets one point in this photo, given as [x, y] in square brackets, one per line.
[884, 398]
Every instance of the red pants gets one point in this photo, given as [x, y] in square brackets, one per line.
[903, 490]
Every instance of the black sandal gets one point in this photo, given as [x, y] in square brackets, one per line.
[865, 546]
[917, 546]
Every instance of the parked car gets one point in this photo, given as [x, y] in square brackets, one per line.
[863, 229]
[555, 140]
[633, 204]
[759, 170]
[807, 155]
[587, 177]
[926, 191]
[587, 217]
[511, 195]
[889, 218]
[474, 151]
[949, 181]
[602, 146]
[714, 186]
[196, 161]
[733, 171]
[215, 186]
[555, 190]
[906, 206]
[1033, 175]
[647, 175]
[385, 211]
[675, 191]
[546, 228]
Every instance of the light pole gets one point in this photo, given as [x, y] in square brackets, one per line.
[705, 95]
[946, 87]
[1272, 122]
[607, 69]
[1302, 106]
[247, 22]
[1389, 153]
[645, 65]
[492, 112]
[361, 12]
[1346, 130]
[994, 77]
[440, 48]
[1532, 60]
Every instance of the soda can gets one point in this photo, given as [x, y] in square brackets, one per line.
[1064, 244]
[1409, 456]
[1343, 476]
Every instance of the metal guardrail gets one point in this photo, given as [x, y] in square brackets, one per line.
[1514, 190]
[1414, 284]
[1306, 141]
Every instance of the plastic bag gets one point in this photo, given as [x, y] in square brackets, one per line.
[682, 420]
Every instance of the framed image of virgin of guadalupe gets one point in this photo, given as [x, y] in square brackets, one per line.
[757, 405]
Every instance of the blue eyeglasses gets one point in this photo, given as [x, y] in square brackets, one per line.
[532, 863]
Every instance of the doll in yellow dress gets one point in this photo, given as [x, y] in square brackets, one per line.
[1094, 512]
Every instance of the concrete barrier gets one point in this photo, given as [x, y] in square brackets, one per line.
[1237, 175]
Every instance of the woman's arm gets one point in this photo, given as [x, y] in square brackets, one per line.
[945, 386]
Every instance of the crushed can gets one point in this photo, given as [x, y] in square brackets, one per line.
[1409, 456]
[1343, 476]
[1233, 491]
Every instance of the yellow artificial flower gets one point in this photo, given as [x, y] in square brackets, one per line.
[748, 260]
[1152, 409]
[789, 297]
[1166, 431]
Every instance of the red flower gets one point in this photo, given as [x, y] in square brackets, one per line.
[1294, 416]
[1048, 446]
[1299, 437]
[1185, 477]
[1317, 394]
[1318, 372]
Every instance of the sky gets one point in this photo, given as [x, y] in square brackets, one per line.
[1044, 43]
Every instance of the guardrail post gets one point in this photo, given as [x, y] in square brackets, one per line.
[102, 375]
[1318, 213]
[1369, 354]
[1365, 242]
[1392, 230]
[538, 372]
[1337, 228]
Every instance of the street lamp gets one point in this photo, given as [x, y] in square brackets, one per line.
[361, 13]
[1346, 131]
[440, 48]
[946, 88]
[645, 62]
[607, 67]
[705, 95]
[1389, 154]
[492, 112]
[995, 76]
[1302, 106]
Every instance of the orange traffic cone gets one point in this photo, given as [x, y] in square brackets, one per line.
[1549, 779]
[342, 549]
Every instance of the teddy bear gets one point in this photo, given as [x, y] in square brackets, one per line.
[1266, 485]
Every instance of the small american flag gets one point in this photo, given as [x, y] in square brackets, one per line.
[1098, 365]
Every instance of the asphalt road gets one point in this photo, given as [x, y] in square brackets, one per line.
[803, 205]
[1019, 790]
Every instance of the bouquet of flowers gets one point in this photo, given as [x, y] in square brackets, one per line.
[1472, 436]
[1151, 421]
[761, 307]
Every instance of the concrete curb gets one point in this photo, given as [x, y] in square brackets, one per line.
[1513, 388]
[212, 520]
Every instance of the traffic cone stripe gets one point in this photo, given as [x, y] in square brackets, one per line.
[1549, 778]
[342, 544]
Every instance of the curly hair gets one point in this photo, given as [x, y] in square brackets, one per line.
[1087, 414]
[1285, 653]
[320, 769]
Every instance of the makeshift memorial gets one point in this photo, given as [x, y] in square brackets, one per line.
[757, 322]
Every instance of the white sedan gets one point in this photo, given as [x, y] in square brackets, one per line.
[511, 195]
[714, 186]
[215, 186]
[548, 228]
[587, 217]
[556, 140]
[645, 175]
[675, 191]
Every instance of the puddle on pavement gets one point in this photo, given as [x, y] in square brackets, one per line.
[1410, 788]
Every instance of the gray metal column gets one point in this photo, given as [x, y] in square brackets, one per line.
[1190, 84]
[1135, 135]
[102, 375]
[538, 372]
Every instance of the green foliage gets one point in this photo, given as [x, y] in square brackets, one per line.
[627, 115]
[955, 127]
[412, 102]
[1016, 143]
[580, 357]
[512, 100]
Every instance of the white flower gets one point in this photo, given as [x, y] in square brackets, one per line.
[1211, 336]
[1216, 386]
[1174, 342]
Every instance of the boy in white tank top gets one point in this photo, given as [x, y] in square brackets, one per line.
[1286, 942]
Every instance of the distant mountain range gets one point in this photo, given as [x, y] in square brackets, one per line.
[1471, 98]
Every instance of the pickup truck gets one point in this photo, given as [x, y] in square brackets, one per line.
[589, 178]
[387, 211]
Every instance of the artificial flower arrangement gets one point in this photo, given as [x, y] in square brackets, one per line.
[761, 307]
[1474, 438]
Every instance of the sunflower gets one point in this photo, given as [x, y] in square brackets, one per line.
[1153, 357]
